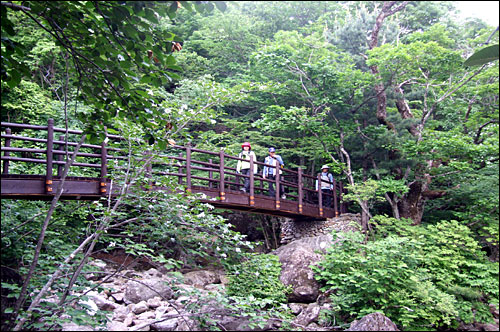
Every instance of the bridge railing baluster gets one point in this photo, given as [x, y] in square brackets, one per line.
[221, 175]
[104, 166]
[188, 167]
[277, 186]
[49, 155]
[5, 169]
[335, 205]
[320, 196]
[210, 175]
[252, 186]
[300, 188]
[59, 157]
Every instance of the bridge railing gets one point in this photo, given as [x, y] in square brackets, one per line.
[194, 168]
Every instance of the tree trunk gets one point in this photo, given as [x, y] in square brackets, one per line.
[412, 204]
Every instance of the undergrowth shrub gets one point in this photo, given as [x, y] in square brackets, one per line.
[258, 276]
[420, 277]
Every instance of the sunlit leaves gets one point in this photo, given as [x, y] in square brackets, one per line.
[424, 276]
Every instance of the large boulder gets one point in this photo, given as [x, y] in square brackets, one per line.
[373, 322]
[146, 289]
[308, 315]
[296, 257]
[201, 278]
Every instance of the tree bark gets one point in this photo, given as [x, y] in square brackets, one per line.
[412, 204]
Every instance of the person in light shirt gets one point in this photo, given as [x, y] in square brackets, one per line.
[326, 185]
[269, 171]
[243, 166]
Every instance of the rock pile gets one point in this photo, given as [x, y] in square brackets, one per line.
[294, 230]
[144, 301]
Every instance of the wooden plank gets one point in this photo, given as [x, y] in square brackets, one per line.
[22, 187]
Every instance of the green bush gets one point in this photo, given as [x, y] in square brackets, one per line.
[419, 277]
[258, 276]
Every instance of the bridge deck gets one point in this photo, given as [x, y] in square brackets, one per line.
[32, 187]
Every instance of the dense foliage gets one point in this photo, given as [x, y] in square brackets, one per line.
[419, 277]
[258, 276]
[376, 90]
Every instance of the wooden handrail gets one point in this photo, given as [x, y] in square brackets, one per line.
[299, 186]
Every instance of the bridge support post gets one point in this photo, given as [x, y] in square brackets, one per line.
[104, 167]
[49, 155]
[252, 185]
[277, 185]
[300, 189]
[221, 174]
[335, 206]
[5, 169]
[320, 196]
[188, 167]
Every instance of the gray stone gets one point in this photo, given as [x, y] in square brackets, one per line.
[146, 315]
[308, 315]
[140, 307]
[141, 325]
[118, 297]
[116, 326]
[120, 313]
[187, 324]
[296, 308]
[154, 302]
[373, 322]
[166, 325]
[201, 278]
[136, 292]
[296, 257]
[102, 303]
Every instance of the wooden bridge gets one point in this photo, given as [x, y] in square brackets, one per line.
[35, 150]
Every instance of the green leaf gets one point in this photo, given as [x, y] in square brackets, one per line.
[483, 56]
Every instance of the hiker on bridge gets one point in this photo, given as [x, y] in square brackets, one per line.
[270, 171]
[243, 166]
[326, 185]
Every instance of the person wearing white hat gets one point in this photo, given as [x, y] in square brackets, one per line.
[326, 185]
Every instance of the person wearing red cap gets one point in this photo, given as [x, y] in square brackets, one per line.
[243, 166]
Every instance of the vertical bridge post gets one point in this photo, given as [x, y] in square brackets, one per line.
[49, 155]
[188, 167]
[277, 185]
[252, 187]
[104, 166]
[221, 174]
[300, 190]
[335, 205]
[320, 196]
[6, 153]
